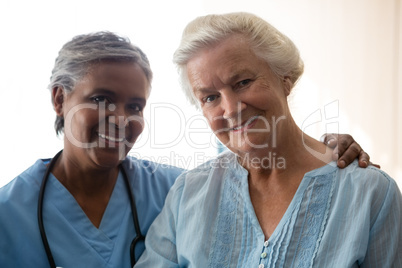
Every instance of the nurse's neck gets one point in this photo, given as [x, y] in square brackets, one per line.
[91, 187]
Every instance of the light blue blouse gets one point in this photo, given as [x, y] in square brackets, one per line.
[73, 239]
[338, 218]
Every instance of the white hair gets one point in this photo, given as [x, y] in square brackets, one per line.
[266, 41]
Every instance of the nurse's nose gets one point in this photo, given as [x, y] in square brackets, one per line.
[117, 116]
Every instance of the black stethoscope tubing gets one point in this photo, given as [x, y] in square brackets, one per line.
[139, 236]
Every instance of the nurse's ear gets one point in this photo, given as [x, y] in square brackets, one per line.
[58, 100]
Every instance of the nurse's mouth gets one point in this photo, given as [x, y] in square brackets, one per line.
[109, 138]
[248, 124]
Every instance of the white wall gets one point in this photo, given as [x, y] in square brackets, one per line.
[352, 52]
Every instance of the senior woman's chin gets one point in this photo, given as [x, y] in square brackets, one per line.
[252, 143]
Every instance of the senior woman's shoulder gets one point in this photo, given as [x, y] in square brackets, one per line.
[370, 184]
[365, 176]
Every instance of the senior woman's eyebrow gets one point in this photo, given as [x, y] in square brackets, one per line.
[229, 80]
[204, 91]
[239, 75]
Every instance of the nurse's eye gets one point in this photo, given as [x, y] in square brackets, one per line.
[99, 99]
[136, 107]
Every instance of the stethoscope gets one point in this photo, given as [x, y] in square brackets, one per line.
[139, 236]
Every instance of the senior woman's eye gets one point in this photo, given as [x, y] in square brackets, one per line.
[244, 82]
[210, 98]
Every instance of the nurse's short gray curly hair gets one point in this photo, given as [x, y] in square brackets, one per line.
[77, 55]
[266, 41]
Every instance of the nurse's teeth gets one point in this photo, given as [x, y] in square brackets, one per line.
[111, 138]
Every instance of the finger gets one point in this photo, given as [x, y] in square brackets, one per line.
[332, 143]
[376, 165]
[344, 142]
[328, 137]
[364, 159]
[349, 155]
[323, 137]
[335, 154]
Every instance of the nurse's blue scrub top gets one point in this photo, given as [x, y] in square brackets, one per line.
[73, 239]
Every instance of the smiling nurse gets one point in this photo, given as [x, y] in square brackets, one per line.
[86, 214]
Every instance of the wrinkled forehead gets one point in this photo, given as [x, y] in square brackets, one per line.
[226, 59]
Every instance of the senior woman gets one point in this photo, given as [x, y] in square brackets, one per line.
[242, 209]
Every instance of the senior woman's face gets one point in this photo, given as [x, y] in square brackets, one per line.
[104, 113]
[239, 95]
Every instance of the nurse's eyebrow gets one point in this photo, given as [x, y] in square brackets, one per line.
[111, 93]
[141, 101]
[105, 91]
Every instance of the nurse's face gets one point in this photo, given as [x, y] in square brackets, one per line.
[103, 115]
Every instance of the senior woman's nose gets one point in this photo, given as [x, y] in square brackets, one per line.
[231, 105]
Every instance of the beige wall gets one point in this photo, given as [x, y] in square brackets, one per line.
[398, 94]
[352, 52]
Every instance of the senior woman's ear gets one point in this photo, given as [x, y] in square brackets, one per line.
[58, 100]
[287, 85]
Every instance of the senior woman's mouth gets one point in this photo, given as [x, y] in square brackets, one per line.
[245, 125]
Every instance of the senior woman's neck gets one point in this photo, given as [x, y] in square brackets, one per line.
[294, 154]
